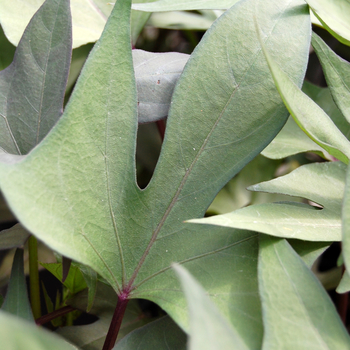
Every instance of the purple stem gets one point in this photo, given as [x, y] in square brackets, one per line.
[116, 321]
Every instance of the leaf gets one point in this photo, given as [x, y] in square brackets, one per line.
[344, 285]
[16, 301]
[79, 193]
[334, 16]
[208, 328]
[160, 334]
[18, 334]
[74, 281]
[322, 183]
[32, 87]
[156, 75]
[297, 312]
[309, 116]
[170, 5]
[92, 336]
[308, 251]
[292, 140]
[337, 73]
[346, 223]
[180, 20]
[89, 18]
[13, 237]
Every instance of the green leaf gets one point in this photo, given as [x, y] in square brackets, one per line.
[13, 237]
[32, 87]
[16, 301]
[337, 73]
[297, 312]
[334, 16]
[346, 223]
[74, 282]
[180, 20]
[322, 183]
[162, 334]
[90, 277]
[156, 75]
[18, 334]
[344, 285]
[308, 251]
[88, 18]
[208, 328]
[79, 193]
[170, 5]
[308, 115]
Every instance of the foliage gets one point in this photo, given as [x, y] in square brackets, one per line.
[70, 172]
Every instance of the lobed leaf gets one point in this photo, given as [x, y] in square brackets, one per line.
[297, 312]
[322, 183]
[77, 190]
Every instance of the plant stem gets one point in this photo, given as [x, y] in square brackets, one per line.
[52, 315]
[161, 128]
[34, 277]
[116, 321]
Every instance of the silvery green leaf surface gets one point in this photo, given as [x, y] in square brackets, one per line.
[297, 311]
[80, 180]
[337, 74]
[180, 5]
[18, 334]
[322, 183]
[156, 75]
[346, 223]
[334, 16]
[17, 301]
[208, 328]
[344, 285]
[162, 334]
[32, 87]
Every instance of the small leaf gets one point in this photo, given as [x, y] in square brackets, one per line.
[297, 312]
[337, 73]
[344, 285]
[16, 301]
[156, 75]
[13, 237]
[32, 87]
[162, 334]
[322, 183]
[208, 328]
[74, 281]
[18, 334]
[334, 16]
[346, 223]
[309, 116]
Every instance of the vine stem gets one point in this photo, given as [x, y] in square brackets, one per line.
[52, 315]
[116, 321]
[34, 277]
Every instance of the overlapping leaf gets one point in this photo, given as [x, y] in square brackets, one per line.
[334, 16]
[32, 87]
[77, 191]
[297, 312]
[337, 73]
[322, 183]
